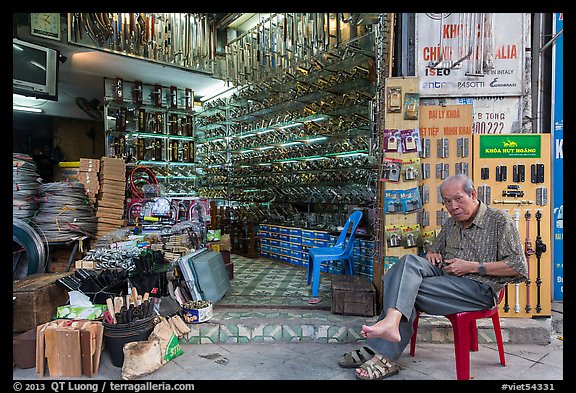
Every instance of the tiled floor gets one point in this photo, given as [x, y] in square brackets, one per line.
[268, 302]
[262, 282]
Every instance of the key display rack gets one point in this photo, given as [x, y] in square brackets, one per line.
[152, 125]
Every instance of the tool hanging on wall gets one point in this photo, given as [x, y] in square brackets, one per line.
[528, 251]
[517, 285]
[540, 249]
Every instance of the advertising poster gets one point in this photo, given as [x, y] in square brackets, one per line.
[558, 154]
[490, 115]
[470, 54]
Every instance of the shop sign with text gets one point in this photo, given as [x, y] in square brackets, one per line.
[510, 146]
[471, 54]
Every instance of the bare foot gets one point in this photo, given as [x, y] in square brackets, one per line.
[382, 329]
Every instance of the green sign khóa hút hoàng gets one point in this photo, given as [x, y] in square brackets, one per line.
[510, 146]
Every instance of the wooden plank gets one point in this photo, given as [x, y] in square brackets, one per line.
[88, 342]
[40, 355]
[98, 347]
[87, 347]
[63, 352]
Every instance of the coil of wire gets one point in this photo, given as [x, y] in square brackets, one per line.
[28, 248]
[25, 183]
[65, 212]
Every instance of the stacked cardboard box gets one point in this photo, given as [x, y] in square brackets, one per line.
[110, 199]
[88, 175]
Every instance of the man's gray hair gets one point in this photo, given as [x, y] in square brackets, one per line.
[467, 183]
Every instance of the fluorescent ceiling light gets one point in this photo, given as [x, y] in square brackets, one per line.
[27, 109]
[321, 138]
[290, 144]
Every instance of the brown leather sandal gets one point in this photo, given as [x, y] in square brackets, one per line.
[356, 358]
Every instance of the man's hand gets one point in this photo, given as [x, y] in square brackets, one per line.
[434, 258]
[458, 267]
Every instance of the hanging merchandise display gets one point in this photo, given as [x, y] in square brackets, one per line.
[512, 172]
[446, 138]
[400, 198]
[176, 39]
[152, 126]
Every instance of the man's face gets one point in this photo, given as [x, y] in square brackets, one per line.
[459, 204]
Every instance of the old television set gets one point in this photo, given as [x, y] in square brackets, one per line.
[34, 70]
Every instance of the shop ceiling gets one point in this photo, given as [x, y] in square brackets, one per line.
[83, 71]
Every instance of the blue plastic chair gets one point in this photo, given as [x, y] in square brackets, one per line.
[342, 250]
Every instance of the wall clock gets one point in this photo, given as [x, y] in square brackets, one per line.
[45, 25]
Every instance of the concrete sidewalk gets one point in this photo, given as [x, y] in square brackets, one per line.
[314, 361]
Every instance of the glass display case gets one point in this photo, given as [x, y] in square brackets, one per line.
[153, 126]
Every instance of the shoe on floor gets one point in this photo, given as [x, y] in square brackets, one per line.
[356, 358]
[378, 368]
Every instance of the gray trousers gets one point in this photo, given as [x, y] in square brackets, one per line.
[413, 284]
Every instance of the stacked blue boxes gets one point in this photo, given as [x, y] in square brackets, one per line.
[364, 257]
[282, 244]
[312, 238]
[291, 245]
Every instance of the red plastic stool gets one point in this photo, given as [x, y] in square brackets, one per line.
[466, 336]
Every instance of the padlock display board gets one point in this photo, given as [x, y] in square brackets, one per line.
[400, 173]
[512, 172]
